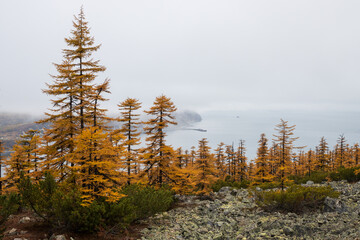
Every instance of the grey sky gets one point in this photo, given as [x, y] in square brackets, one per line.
[259, 59]
[205, 55]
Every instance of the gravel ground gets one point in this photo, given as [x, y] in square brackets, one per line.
[233, 214]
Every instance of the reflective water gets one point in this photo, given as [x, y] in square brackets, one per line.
[229, 127]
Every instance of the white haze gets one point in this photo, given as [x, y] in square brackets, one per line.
[273, 57]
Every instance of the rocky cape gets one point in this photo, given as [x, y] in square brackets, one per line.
[233, 214]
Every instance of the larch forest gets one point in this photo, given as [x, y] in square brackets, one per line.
[80, 152]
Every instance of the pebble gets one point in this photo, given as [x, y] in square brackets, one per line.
[24, 220]
[12, 232]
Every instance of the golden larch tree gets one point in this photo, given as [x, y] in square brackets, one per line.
[205, 169]
[273, 158]
[96, 166]
[251, 171]
[182, 173]
[75, 98]
[262, 164]
[63, 119]
[356, 154]
[240, 166]
[96, 113]
[85, 70]
[192, 155]
[180, 161]
[130, 123]
[309, 162]
[342, 158]
[230, 160]
[332, 159]
[220, 160]
[24, 159]
[285, 140]
[157, 155]
[187, 158]
[15, 165]
[302, 160]
[296, 167]
[322, 156]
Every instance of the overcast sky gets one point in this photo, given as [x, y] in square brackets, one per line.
[205, 55]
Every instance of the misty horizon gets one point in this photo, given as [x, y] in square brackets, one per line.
[231, 126]
[259, 61]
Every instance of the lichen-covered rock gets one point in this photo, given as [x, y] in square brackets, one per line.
[57, 237]
[24, 220]
[309, 183]
[334, 205]
[233, 214]
[13, 231]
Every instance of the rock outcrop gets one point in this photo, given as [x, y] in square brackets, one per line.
[233, 214]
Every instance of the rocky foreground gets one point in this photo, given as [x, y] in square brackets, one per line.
[233, 214]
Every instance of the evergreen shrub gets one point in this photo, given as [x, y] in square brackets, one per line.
[294, 199]
[61, 205]
[316, 177]
[228, 183]
[349, 174]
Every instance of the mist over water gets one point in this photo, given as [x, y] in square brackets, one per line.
[231, 126]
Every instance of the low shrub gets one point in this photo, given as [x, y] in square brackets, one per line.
[61, 205]
[9, 204]
[147, 200]
[316, 177]
[294, 199]
[227, 183]
[349, 174]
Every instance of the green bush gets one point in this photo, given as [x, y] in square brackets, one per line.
[345, 174]
[140, 202]
[147, 200]
[61, 205]
[338, 175]
[316, 177]
[295, 199]
[9, 204]
[41, 197]
[228, 183]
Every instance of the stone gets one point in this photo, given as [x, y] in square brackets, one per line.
[225, 190]
[219, 224]
[218, 236]
[334, 205]
[12, 232]
[25, 220]
[309, 183]
[233, 192]
[229, 217]
[57, 237]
